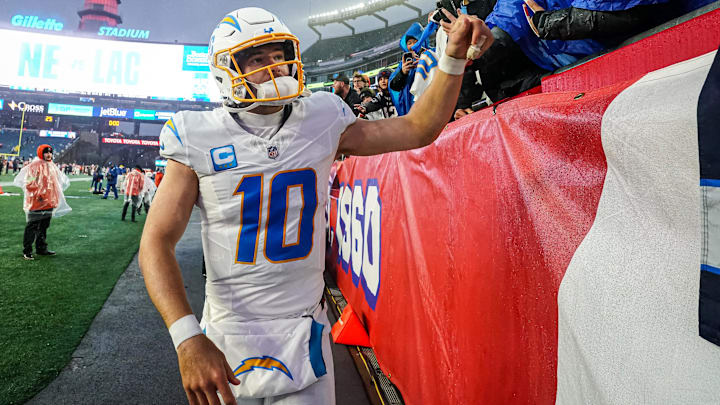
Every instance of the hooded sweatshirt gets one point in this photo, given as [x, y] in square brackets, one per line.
[401, 83]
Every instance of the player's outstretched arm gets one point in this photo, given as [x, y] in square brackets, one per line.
[429, 115]
[203, 367]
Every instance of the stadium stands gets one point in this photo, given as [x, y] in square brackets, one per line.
[8, 140]
[355, 52]
[87, 148]
[31, 139]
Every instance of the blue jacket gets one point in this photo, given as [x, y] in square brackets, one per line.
[403, 100]
[116, 171]
[508, 15]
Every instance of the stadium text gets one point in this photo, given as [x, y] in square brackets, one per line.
[113, 112]
[123, 141]
[47, 61]
[358, 235]
[110, 67]
[31, 21]
[123, 33]
[23, 106]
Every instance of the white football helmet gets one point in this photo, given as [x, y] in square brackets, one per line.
[243, 29]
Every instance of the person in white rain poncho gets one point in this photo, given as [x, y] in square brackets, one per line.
[146, 194]
[133, 185]
[43, 185]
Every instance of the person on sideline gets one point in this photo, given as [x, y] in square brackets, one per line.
[111, 177]
[43, 184]
[132, 188]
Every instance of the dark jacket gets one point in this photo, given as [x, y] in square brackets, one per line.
[351, 99]
[382, 101]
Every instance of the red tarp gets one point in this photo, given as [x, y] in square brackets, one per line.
[694, 37]
[476, 232]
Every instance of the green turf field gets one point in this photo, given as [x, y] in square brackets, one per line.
[48, 304]
[6, 177]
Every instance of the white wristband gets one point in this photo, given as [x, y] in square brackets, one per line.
[183, 329]
[451, 66]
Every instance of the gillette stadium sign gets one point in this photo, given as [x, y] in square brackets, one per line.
[51, 24]
[123, 33]
[33, 21]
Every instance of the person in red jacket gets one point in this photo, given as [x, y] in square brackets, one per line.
[43, 184]
[134, 183]
[158, 178]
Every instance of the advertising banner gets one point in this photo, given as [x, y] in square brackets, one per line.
[163, 115]
[57, 134]
[138, 142]
[554, 250]
[144, 115]
[195, 58]
[112, 112]
[26, 107]
[153, 115]
[70, 109]
[46, 62]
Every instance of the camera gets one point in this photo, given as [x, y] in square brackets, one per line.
[407, 56]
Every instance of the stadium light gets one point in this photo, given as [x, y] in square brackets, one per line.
[357, 10]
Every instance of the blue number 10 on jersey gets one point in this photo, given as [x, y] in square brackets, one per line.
[278, 203]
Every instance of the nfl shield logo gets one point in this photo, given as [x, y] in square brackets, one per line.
[273, 152]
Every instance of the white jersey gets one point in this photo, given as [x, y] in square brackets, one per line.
[424, 73]
[262, 202]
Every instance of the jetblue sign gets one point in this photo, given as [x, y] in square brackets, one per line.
[33, 21]
[112, 112]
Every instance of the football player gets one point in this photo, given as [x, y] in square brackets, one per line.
[257, 168]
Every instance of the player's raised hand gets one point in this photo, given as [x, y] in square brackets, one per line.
[466, 32]
[205, 372]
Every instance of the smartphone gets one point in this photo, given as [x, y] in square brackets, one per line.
[407, 56]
